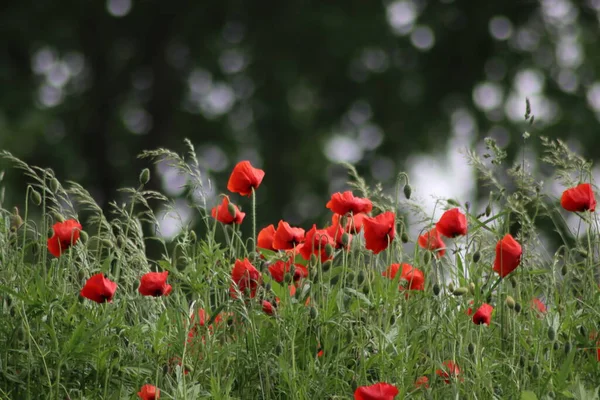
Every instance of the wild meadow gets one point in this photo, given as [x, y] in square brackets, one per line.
[497, 299]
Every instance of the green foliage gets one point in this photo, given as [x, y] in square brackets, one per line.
[345, 326]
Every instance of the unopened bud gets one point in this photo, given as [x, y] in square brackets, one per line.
[427, 257]
[407, 191]
[451, 286]
[472, 288]
[313, 259]
[365, 289]
[313, 313]
[471, 348]
[144, 176]
[476, 256]
[36, 198]
[564, 270]
[329, 250]
[583, 253]
[488, 210]
[360, 278]
[568, 347]
[326, 265]
[346, 239]
[436, 289]
[453, 202]
[83, 236]
[510, 302]
[556, 346]
[15, 222]
[404, 237]
[517, 307]
[460, 291]
[231, 210]
[287, 278]
[53, 184]
[193, 236]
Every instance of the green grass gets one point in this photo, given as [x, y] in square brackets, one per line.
[55, 344]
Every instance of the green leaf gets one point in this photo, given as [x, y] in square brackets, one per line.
[528, 395]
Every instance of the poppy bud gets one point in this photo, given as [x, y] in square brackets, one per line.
[404, 237]
[427, 257]
[326, 265]
[488, 210]
[471, 348]
[313, 313]
[551, 333]
[350, 276]
[144, 176]
[360, 278]
[287, 278]
[451, 286]
[333, 281]
[268, 287]
[345, 238]
[517, 307]
[510, 302]
[583, 253]
[522, 361]
[231, 209]
[106, 243]
[476, 256]
[460, 291]
[568, 347]
[15, 222]
[513, 282]
[472, 288]
[329, 250]
[436, 289]
[278, 349]
[365, 289]
[564, 270]
[313, 259]
[193, 236]
[535, 371]
[453, 202]
[54, 185]
[582, 331]
[36, 198]
[407, 191]
[556, 346]
[83, 236]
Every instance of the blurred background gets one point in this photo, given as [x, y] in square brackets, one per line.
[295, 87]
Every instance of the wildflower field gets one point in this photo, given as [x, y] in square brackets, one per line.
[480, 304]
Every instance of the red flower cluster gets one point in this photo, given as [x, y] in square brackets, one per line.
[453, 223]
[378, 391]
[65, 235]
[413, 277]
[279, 268]
[449, 371]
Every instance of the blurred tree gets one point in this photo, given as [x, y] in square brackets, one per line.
[293, 86]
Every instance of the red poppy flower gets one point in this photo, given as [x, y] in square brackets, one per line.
[337, 233]
[65, 234]
[537, 305]
[244, 177]
[222, 214]
[203, 319]
[453, 223]
[149, 392]
[449, 371]
[422, 382]
[155, 284]
[579, 198]
[99, 289]
[267, 308]
[315, 242]
[354, 223]
[344, 203]
[508, 255]
[246, 277]
[379, 231]
[598, 351]
[378, 391]
[433, 241]
[470, 310]
[483, 315]
[413, 277]
[265, 238]
[287, 237]
[279, 268]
